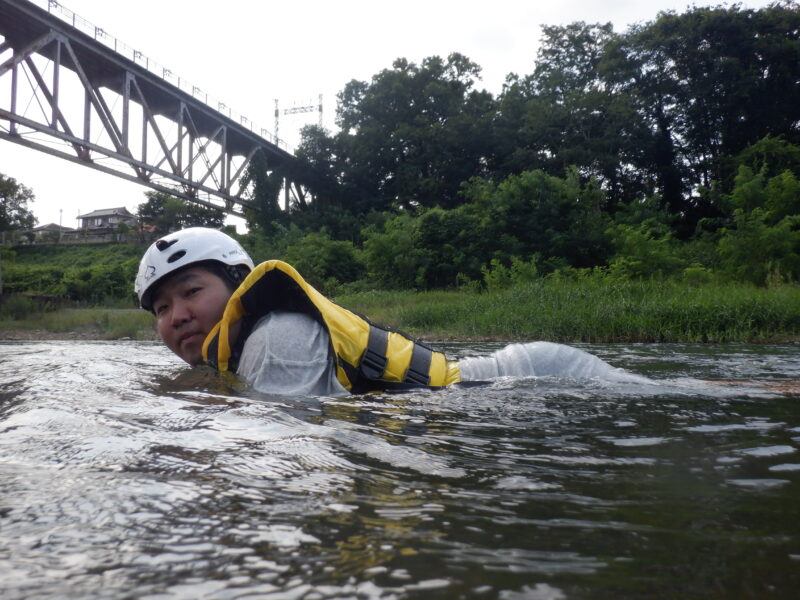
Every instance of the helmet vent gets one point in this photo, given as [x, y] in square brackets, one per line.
[164, 244]
[177, 256]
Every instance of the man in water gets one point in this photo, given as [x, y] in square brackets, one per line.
[280, 335]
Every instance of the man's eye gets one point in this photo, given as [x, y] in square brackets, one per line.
[193, 291]
[160, 309]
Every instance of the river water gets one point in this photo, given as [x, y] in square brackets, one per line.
[126, 475]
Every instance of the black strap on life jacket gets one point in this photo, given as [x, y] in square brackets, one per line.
[419, 370]
[374, 361]
[373, 364]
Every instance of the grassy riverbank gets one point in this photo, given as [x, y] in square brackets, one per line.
[80, 323]
[594, 309]
[588, 309]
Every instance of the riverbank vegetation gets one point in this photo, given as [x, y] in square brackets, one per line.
[574, 307]
[22, 319]
[638, 186]
[592, 308]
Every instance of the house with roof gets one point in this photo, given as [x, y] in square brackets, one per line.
[49, 233]
[106, 218]
[104, 225]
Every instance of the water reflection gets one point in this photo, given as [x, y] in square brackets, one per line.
[125, 475]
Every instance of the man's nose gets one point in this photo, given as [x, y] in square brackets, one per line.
[181, 313]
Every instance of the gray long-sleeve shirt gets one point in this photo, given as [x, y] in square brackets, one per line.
[289, 353]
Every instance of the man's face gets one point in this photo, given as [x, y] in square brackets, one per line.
[187, 306]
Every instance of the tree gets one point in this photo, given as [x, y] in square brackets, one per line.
[646, 249]
[710, 82]
[168, 213]
[264, 186]
[762, 242]
[566, 114]
[322, 159]
[427, 251]
[534, 213]
[408, 138]
[757, 251]
[14, 212]
[391, 253]
[771, 154]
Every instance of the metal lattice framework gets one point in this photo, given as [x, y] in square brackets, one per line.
[69, 94]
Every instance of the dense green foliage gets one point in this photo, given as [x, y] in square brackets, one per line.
[87, 273]
[672, 147]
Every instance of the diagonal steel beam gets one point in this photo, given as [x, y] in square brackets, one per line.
[56, 82]
[150, 117]
[248, 159]
[210, 172]
[98, 102]
[27, 51]
[201, 150]
[80, 149]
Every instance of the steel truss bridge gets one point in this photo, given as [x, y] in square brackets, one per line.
[69, 89]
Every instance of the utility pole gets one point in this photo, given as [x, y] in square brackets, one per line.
[277, 122]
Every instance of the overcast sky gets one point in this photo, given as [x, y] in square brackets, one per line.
[247, 53]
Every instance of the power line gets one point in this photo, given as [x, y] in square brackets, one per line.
[296, 110]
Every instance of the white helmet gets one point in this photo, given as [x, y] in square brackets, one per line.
[177, 250]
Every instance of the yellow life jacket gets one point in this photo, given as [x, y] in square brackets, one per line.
[368, 357]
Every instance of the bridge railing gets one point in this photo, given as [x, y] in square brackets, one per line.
[103, 37]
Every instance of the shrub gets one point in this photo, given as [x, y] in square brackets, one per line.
[17, 306]
[498, 277]
[697, 275]
[325, 262]
[391, 253]
[755, 250]
[643, 250]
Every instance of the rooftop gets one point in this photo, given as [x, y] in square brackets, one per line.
[108, 212]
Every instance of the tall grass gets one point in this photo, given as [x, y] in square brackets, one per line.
[593, 309]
